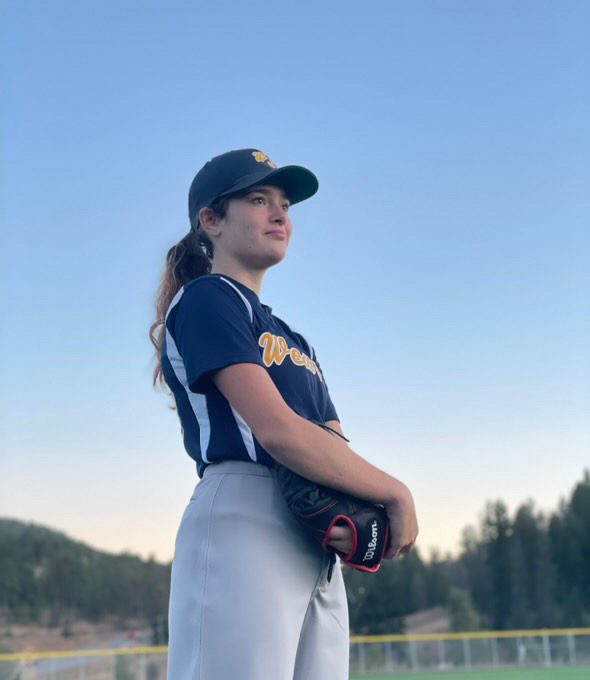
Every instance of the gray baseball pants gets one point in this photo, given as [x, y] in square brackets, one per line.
[252, 596]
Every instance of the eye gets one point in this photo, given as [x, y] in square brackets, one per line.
[286, 206]
[258, 198]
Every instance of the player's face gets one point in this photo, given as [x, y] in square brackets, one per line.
[256, 229]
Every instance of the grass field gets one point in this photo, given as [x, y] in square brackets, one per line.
[574, 673]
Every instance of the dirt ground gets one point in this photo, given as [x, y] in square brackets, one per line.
[82, 635]
[111, 635]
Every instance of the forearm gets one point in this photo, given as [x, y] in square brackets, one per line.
[327, 459]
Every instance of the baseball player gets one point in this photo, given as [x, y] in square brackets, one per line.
[252, 596]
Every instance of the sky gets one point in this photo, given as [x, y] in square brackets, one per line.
[441, 271]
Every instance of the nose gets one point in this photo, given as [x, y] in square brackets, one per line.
[277, 214]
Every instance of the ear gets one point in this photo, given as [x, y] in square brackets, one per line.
[209, 222]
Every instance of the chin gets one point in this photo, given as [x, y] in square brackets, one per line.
[269, 259]
[272, 262]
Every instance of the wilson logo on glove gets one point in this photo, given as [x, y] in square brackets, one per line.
[373, 544]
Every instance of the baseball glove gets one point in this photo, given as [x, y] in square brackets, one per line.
[319, 509]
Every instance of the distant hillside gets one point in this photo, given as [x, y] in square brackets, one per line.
[47, 577]
[528, 570]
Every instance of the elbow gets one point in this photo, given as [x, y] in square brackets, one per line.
[278, 436]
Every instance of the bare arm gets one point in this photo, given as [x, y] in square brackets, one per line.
[300, 445]
[335, 425]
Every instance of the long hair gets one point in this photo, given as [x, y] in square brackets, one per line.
[190, 258]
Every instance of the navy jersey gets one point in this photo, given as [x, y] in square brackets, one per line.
[214, 322]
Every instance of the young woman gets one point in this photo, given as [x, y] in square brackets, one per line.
[252, 596]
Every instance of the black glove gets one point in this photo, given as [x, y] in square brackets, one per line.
[319, 509]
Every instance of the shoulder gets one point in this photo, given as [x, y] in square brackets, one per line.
[209, 284]
[208, 302]
[205, 292]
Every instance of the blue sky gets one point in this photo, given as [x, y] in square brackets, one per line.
[441, 271]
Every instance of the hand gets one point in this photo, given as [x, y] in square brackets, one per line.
[341, 539]
[403, 525]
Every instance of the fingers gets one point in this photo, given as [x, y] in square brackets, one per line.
[396, 550]
[392, 551]
[403, 531]
[341, 539]
[340, 532]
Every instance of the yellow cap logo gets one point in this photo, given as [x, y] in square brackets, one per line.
[263, 158]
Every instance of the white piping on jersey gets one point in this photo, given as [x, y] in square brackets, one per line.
[198, 402]
[244, 429]
[174, 302]
[247, 436]
[244, 298]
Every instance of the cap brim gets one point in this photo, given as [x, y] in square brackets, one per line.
[297, 182]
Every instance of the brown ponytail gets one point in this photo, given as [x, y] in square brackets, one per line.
[190, 258]
[185, 261]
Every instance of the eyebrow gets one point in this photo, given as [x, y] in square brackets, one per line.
[267, 192]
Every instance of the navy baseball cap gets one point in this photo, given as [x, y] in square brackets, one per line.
[234, 171]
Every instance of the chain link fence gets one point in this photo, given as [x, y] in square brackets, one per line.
[371, 654]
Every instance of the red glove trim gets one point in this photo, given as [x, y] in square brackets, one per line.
[355, 543]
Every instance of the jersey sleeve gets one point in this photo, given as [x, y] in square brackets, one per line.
[328, 408]
[212, 330]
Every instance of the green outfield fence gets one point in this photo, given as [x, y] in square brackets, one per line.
[369, 655]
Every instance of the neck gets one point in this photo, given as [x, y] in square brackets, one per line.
[251, 279]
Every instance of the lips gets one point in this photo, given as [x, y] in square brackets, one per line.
[277, 234]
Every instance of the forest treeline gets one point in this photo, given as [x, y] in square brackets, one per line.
[521, 572]
[45, 577]
[525, 571]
